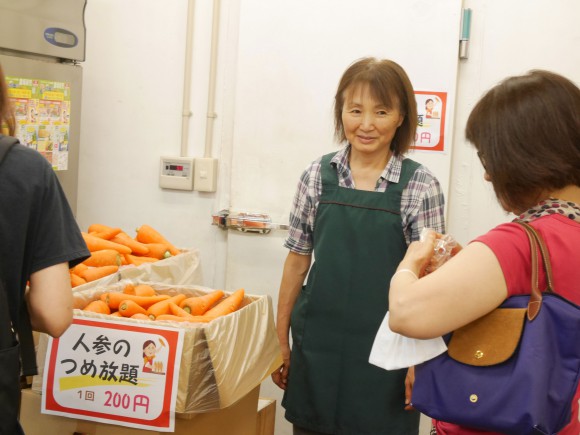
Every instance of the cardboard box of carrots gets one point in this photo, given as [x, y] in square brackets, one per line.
[116, 255]
[230, 344]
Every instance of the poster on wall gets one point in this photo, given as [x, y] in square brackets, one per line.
[431, 108]
[42, 111]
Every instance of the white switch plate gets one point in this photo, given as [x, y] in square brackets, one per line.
[176, 173]
[205, 174]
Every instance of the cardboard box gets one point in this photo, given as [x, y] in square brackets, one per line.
[222, 361]
[266, 416]
[238, 419]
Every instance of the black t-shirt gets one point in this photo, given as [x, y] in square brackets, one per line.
[37, 226]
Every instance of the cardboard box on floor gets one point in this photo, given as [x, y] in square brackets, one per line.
[238, 419]
[222, 361]
[266, 416]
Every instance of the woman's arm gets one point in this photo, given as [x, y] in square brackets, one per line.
[468, 286]
[50, 300]
[295, 270]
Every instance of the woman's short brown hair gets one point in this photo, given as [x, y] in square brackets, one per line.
[527, 132]
[6, 113]
[388, 83]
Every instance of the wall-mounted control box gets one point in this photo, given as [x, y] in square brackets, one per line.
[176, 173]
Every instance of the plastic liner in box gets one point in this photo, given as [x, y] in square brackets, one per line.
[222, 360]
[182, 269]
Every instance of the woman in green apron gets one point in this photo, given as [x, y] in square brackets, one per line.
[355, 212]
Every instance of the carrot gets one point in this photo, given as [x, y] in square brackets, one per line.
[129, 289]
[163, 307]
[158, 250]
[104, 257]
[137, 248]
[138, 261]
[228, 305]
[100, 228]
[176, 310]
[147, 234]
[76, 280]
[113, 299]
[96, 244]
[198, 305]
[107, 234]
[94, 273]
[139, 290]
[128, 307]
[174, 318]
[79, 268]
[116, 314]
[140, 316]
[145, 290]
[97, 306]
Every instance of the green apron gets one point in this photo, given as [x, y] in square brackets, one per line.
[358, 243]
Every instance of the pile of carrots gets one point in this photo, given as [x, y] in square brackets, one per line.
[143, 302]
[111, 247]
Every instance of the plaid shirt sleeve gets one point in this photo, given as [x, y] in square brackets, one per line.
[303, 210]
[422, 205]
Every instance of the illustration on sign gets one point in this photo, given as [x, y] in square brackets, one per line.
[42, 112]
[431, 108]
[114, 372]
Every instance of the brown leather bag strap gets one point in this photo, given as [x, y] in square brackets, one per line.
[535, 302]
[545, 258]
[536, 241]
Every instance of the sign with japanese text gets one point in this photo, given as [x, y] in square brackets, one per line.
[114, 372]
[431, 108]
[42, 109]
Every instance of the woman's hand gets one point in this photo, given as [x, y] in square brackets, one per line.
[419, 254]
[280, 376]
[427, 255]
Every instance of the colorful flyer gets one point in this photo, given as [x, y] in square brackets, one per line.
[114, 372]
[42, 111]
[431, 108]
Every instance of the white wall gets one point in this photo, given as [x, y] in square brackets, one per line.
[132, 115]
[132, 97]
[507, 38]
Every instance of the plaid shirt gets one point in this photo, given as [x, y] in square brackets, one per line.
[422, 202]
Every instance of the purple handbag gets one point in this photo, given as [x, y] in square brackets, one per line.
[513, 371]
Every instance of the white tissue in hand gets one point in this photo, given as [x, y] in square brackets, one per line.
[393, 351]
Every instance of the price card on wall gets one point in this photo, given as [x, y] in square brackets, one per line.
[114, 372]
[431, 111]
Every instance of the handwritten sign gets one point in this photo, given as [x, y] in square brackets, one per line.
[114, 372]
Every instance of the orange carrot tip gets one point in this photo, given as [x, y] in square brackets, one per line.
[98, 306]
[94, 273]
[144, 290]
[197, 305]
[128, 308]
[228, 305]
[147, 234]
[129, 289]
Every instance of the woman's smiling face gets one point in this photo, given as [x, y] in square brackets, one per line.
[369, 125]
[149, 350]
